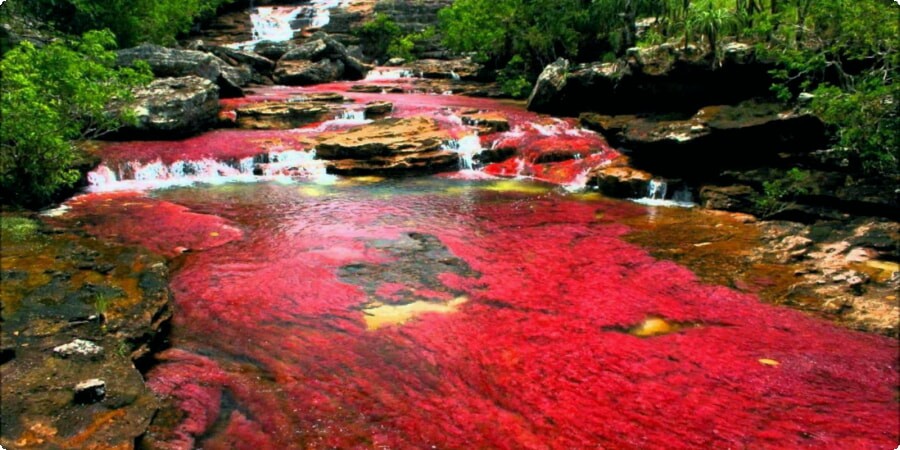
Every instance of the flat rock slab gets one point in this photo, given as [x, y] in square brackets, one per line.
[388, 146]
[77, 313]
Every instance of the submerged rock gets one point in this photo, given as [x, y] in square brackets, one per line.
[174, 107]
[388, 146]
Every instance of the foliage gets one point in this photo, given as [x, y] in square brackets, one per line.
[711, 22]
[15, 228]
[778, 193]
[58, 95]
[101, 305]
[377, 35]
[132, 21]
[512, 79]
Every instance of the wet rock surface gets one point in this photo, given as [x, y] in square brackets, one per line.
[388, 146]
[319, 60]
[77, 315]
[171, 108]
[289, 114]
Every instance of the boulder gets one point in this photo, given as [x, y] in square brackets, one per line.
[388, 146]
[172, 108]
[728, 198]
[751, 134]
[656, 79]
[168, 62]
[235, 57]
[302, 73]
[454, 69]
[320, 60]
[273, 50]
[619, 180]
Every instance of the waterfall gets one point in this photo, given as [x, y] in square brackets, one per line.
[284, 166]
[272, 23]
[354, 116]
[466, 147]
[657, 188]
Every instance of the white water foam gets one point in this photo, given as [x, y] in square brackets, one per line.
[466, 147]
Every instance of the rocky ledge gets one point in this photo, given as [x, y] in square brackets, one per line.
[415, 144]
[78, 315]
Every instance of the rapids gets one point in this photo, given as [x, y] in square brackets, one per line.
[489, 308]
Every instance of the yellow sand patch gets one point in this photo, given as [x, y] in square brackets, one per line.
[311, 191]
[653, 326]
[517, 186]
[384, 315]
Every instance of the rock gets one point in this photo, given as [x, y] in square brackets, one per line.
[377, 109]
[281, 115]
[168, 62]
[620, 181]
[750, 134]
[90, 391]
[550, 85]
[487, 122]
[727, 198]
[394, 62]
[273, 50]
[320, 60]
[657, 79]
[388, 146]
[174, 107]
[302, 73]
[455, 69]
[236, 57]
[78, 347]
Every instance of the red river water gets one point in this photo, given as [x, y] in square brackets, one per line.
[459, 311]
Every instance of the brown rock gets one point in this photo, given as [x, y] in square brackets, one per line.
[388, 146]
[487, 122]
[619, 180]
[280, 115]
[378, 109]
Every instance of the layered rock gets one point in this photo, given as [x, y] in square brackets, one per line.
[748, 135]
[77, 316]
[289, 114]
[487, 122]
[319, 60]
[168, 62]
[455, 69]
[388, 146]
[661, 78]
[174, 107]
[619, 180]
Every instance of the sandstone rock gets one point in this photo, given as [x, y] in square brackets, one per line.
[174, 107]
[378, 109]
[388, 146]
[549, 86]
[236, 57]
[620, 181]
[394, 62]
[455, 69]
[280, 115]
[487, 122]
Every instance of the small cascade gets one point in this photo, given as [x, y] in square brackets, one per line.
[284, 165]
[273, 23]
[454, 76]
[350, 115]
[466, 147]
[382, 73]
[657, 190]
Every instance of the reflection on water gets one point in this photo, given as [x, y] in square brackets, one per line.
[474, 314]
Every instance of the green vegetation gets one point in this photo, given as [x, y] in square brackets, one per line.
[778, 193]
[17, 229]
[58, 95]
[132, 21]
[101, 305]
[382, 37]
[844, 52]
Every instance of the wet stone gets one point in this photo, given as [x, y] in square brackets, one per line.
[90, 391]
[78, 347]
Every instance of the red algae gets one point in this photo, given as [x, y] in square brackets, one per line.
[162, 227]
[271, 349]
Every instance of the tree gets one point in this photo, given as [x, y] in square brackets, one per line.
[52, 98]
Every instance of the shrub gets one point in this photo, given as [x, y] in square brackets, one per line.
[52, 98]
